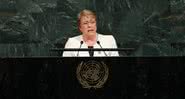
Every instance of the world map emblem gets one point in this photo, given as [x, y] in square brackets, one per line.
[92, 74]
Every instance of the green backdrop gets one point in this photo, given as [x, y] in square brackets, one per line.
[152, 27]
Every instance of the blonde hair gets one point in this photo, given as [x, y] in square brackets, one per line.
[85, 12]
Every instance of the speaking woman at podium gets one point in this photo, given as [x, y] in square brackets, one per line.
[89, 38]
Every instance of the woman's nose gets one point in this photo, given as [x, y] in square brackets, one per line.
[89, 24]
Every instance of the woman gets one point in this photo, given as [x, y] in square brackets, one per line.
[89, 38]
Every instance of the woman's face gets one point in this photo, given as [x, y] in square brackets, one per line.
[88, 25]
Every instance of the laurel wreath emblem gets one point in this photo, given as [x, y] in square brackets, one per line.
[92, 74]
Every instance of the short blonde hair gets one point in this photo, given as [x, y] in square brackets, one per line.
[85, 12]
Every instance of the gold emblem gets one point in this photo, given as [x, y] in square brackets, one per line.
[92, 74]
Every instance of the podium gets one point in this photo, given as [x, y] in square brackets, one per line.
[121, 51]
[128, 78]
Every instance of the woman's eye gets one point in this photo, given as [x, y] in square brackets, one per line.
[93, 22]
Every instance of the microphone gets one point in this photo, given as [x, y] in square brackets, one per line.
[81, 42]
[91, 53]
[98, 42]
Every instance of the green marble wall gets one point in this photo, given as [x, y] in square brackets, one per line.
[152, 27]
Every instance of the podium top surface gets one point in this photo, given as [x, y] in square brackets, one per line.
[92, 49]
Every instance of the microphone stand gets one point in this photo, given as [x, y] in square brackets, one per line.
[98, 42]
[81, 42]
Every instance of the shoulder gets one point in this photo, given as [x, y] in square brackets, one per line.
[107, 41]
[73, 42]
[105, 37]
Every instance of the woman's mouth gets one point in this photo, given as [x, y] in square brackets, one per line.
[90, 30]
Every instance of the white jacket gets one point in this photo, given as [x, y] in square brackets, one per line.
[106, 41]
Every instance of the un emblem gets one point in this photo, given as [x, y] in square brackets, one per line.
[92, 74]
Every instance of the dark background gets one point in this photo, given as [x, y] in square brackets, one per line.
[152, 27]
